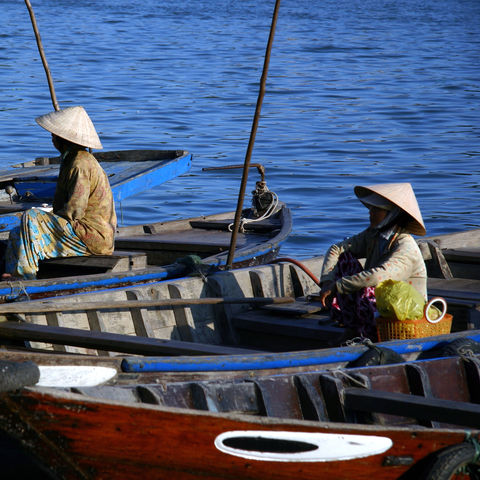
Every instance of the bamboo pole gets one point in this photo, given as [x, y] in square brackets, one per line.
[42, 55]
[43, 306]
[261, 94]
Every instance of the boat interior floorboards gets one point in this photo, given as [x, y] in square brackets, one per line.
[182, 239]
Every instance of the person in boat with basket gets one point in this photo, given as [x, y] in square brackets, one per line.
[83, 220]
[389, 250]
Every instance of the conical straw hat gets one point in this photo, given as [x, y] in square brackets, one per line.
[401, 195]
[72, 124]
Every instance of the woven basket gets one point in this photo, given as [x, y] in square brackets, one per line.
[393, 329]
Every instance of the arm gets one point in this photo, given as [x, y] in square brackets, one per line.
[357, 245]
[398, 265]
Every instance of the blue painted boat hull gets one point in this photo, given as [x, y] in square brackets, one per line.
[129, 171]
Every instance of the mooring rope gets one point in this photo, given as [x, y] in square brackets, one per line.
[14, 287]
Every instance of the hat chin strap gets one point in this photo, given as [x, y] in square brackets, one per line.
[389, 220]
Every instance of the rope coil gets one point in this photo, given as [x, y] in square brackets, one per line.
[268, 213]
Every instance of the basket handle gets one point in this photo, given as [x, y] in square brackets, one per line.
[430, 303]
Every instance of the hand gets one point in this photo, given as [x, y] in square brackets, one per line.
[327, 294]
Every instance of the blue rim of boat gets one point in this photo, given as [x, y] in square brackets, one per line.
[14, 290]
[263, 361]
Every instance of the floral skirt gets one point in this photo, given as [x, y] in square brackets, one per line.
[40, 235]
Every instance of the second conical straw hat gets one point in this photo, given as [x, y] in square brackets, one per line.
[73, 124]
[403, 196]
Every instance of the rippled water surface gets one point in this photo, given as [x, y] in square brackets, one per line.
[358, 92]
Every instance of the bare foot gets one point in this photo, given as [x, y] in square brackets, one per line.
[8, 277]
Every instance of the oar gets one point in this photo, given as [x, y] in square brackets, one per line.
[43, 306]
[111, 342]
[42, 55]
[261, 94]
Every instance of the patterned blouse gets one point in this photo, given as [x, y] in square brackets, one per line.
[83, 197]
[402, 260]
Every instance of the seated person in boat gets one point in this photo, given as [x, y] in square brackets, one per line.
[389, 250]
[83, 220]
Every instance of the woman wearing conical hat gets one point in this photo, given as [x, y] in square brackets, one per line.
[389, 250]
[83, 221]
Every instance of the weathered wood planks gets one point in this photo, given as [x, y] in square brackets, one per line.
[111, 341]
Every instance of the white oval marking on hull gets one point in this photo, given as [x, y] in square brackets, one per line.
[285, 446]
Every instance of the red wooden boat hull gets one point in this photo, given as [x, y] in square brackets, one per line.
[79, 437]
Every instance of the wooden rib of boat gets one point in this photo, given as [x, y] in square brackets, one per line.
[150, 252]
[32, 184]
[438, 393]
[389, 422]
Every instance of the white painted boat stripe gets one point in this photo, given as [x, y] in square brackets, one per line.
[74, 376]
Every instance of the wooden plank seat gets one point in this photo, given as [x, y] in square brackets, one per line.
[315, 326]
[414, 406]
[272, 329]
[301, 307]
[119, 261]
[11, 207]
[455, 288]
[462, 261]
[463, 254]
[463, 300]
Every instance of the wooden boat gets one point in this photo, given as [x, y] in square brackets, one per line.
[404, 421]
[206, 312]
[453, 255]
[150, 252]
[208, 323]
[36, 416]
[32, 184]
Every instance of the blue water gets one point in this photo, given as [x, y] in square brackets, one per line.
[358, 92]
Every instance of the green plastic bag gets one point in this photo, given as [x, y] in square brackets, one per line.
[397, 299]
